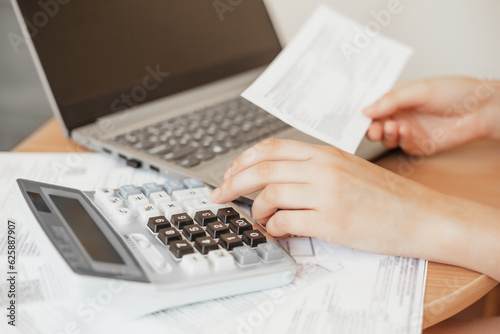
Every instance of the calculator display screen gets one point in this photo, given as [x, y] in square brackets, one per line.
[86, 229]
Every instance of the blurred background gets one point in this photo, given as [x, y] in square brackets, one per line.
[458, 37]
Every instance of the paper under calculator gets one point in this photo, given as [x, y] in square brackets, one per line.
[169, 243]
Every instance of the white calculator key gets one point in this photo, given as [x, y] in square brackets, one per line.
[205, 191]
[113, 202]
[159, 197]
[123, 215]
[137, 200]
[200, 204]
[147, 211]
[195, 263]
[221, 259]
[187, 194]
[151, 254]
[170, 208]
[102, 194]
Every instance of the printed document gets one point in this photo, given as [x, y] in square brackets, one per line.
[330, 71]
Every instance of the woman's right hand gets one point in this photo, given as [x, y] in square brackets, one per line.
[428, 116]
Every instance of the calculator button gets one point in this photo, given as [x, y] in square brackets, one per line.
[193, 183]
[172, 185]
[180, 248]
[180, 220]
[114, 202]
[170, 208]
[227, 214]
[200, 204]
[205, 217]
[216, 229]
[159, 197]
[137, 200]
[253, 238]
[167, 235]
[205, 244]
[122, 215]
[150, 188]
[150, 253]
[102, 194]
[221, 259]
[230, 240]
[192, 232]
[155, 224]
[195, 264]
[187, 194]
[270, 251]
[147, 211]
[240, 225]
[245, 255]
[129, 190]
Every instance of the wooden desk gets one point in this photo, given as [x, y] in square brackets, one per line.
[471, 172]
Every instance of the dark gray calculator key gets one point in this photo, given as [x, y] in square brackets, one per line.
[157, 223]
[180, 220]
[192, 232]
[168, 235]
[270, 251]
[180, 248]
[128, 190]
[253, 238]
[240, 225]
[205, 217]
[180, 153]
[216, 229]
[227, 214]
[205, 244]
[230, 240]
[245, 255]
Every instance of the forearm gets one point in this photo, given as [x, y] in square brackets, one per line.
[462, 233]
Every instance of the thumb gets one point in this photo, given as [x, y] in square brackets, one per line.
[407, 96]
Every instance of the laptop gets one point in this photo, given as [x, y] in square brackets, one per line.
[157, 82]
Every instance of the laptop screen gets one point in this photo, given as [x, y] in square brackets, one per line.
[102, 56]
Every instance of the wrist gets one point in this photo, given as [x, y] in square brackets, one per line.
[463, 233]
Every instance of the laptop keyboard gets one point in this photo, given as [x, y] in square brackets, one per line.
[201, 135]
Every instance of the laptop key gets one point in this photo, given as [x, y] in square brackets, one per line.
[203, 156]
[189, 162]
[180, 153]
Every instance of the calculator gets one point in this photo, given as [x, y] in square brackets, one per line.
[168, 242]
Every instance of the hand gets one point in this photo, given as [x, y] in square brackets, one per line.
[323, 192]
[432, 115]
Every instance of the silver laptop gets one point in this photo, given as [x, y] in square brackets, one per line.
[157, 82]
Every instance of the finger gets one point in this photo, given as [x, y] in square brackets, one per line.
[375, 131]
[391, 135]
[407, 96]
[259, 176]
[305, 223]
[270, 150]
[405, 138]
[282, 196]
